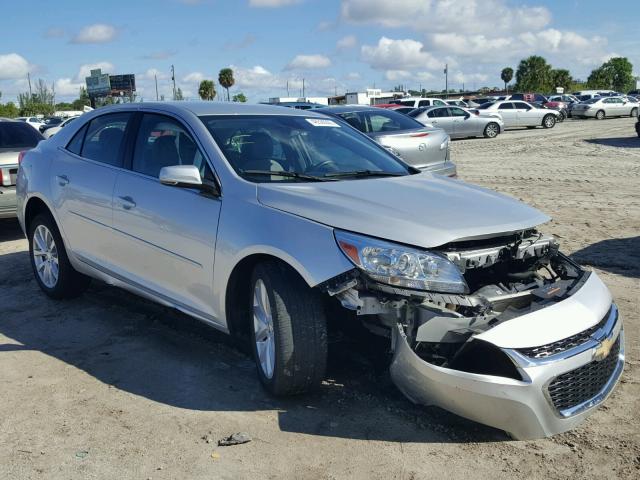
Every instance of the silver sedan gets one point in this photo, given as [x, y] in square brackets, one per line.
[261, 221]
[602, 107]
[423, 147]
[519, 114]
[460, 123]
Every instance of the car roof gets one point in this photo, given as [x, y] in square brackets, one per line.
[211, 108]
[350, 108]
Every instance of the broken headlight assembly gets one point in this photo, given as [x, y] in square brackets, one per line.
[401, 266]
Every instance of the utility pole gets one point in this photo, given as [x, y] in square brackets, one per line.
[303, 92]
[155, 76]
[446, 80]
[173, 79]
[287, 88]
[29, 80]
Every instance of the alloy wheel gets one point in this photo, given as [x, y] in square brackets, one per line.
[45, 256]
[263, 329]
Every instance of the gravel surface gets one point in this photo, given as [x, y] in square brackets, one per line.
[112, 386]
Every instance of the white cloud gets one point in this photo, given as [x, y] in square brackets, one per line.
[271, 3]
[347, 42]
[96, 33]
[306, 62]
[395, 75]
[193, 77]
[67, 87]
[13, 66]
[406, 54]
[468, 16]
[85, 70]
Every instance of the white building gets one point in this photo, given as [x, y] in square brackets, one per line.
[372, 96]
[320, 100]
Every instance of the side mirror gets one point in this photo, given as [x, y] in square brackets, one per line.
[186, 176]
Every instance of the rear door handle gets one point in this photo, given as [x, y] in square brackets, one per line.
[63, 180]
[127, 202]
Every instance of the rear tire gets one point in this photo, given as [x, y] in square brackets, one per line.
[600, 115]
[491, 130]
[51, 267]
[549, 121]
[290, 347]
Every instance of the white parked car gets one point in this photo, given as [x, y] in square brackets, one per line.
[50, 132]
[602, 107]
[519, 114]
[35, 122]
[417, 102]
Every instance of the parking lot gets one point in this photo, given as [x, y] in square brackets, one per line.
[112, 386]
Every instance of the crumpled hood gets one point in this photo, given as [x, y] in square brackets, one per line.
[424, 210]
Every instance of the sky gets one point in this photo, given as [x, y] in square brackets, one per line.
[334, 45]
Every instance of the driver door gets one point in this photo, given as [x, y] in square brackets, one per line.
[166, 235]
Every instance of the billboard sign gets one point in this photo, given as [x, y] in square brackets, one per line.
[98, 83]
[123, 84]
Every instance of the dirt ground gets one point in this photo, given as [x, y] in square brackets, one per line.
[109, 386]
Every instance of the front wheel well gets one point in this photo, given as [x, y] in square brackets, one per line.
[35, 206]
[238, 293]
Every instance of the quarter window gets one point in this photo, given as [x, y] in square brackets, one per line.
[424, 103]
[163, 142]
[104, 140]
[506, 106]
[75, 145]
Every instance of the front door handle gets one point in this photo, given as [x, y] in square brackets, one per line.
[127, 202]
[63, 180]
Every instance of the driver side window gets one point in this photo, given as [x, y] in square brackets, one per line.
[163, 142]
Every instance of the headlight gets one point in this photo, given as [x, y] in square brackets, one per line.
[401, 266]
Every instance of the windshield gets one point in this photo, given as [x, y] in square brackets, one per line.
[18, 135]
[379, 121]
[592, 100]
[416, 112]
[301, 148]
[484, 106]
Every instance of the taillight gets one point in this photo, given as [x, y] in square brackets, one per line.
[21, 156]
[421, 134]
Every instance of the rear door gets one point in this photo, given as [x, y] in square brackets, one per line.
[166, 235]
[441, 118]
[82, 181]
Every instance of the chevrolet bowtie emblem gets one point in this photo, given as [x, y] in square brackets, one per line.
[602, 351]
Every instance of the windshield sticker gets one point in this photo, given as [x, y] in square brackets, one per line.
[321, 122]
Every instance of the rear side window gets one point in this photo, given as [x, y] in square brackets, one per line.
[424, 103]
[75, 145]
[506, 106]
[521, 105]
[104, 140]
[438, 102]
[18, 135]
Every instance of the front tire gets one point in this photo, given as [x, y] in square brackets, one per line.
[634, 112]
[289, 331]
[51, 267]
[491, 130]
[549, 121]
[600, 115]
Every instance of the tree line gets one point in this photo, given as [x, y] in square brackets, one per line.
[535, 74]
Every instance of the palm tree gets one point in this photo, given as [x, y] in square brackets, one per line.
[506, 75]
[207, 90]
[534, 75]
[225, 78]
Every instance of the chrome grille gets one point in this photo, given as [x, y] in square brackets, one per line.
[582, 384]
[560, 346]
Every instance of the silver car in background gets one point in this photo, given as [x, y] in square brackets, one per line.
[259, 220]
[420, 146]
[459, 122]
[602, 107]
[518, 113]
[15, 138]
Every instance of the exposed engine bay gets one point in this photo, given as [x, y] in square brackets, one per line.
[507, 277]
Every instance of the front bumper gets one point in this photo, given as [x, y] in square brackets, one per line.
[523, 408]
[7, 202]
[448, 169]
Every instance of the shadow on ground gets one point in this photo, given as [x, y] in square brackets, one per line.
[632, 141]
[157, 353]
[616, 255]
[10, 230]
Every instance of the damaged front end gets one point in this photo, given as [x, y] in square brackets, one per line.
[506, 331]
